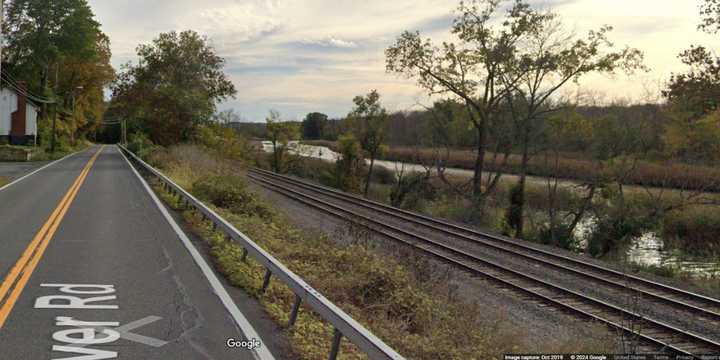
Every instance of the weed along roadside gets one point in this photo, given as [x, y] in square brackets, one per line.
[420, 318]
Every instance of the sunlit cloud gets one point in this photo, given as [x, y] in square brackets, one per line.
[299, 56]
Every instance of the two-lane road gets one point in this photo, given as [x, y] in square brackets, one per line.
[92, 268]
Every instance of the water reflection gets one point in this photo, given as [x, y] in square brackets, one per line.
[649, 250]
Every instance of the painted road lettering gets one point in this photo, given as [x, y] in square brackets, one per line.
[83, 334]
[90, 354]
[76, 302]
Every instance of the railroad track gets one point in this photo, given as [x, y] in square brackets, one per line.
[661, 335]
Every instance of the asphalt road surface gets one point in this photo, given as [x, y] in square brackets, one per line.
[92, 268]
[15, 169]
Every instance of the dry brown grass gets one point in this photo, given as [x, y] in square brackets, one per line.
[401, 299]
[671, 175]
[571, 166]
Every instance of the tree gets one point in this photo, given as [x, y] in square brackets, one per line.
[694, 140]
[280, 134]
[368, 121]
[313, 126]
[82, 86]
[710, 12]
[564, 129]
[472, 70]
[547, 60]
[698, 90]
[500, 68]
[348, 163]
[57, 47]
[175, 86]
[226, 117]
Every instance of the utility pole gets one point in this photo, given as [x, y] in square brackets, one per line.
[123, 130]
[72, 131]
[54, 120]
[2, 37]
[55, 103]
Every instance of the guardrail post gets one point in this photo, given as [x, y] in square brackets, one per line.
[266, 280]
[295, 310]
[335, 349]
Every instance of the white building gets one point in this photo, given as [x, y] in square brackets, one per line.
[18, 118]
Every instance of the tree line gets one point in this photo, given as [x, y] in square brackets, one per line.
[59, 51]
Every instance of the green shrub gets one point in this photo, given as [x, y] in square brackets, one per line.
[383, 175]
[228, 191]
[514, 210]
[559, 236]
[141, 145]
[695, 230]
[613, 232]
[412, 191]
[659, 270]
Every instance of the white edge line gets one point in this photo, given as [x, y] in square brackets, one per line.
[262, 353]
[38, 170]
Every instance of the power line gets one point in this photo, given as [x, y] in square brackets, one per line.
[24, 92]
[14, 84]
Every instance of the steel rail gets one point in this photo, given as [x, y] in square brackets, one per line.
[600, 306]
[342, 322]
[487, 240]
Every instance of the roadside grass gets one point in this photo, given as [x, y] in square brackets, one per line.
[62, 150]
[402, 299]
[4, 181]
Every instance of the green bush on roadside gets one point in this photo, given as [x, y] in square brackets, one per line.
[141, 145]
[229, 192]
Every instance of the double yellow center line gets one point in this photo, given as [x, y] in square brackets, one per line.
[24, 267]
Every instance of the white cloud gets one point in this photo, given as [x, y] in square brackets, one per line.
[331, 42]
[241, 22]
[315, 55]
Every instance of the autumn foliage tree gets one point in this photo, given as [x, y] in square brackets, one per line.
[693, 134]
[59, 50]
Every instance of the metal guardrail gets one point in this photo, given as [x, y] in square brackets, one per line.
[343, 324]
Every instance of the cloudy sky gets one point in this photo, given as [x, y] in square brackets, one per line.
[299, 56]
